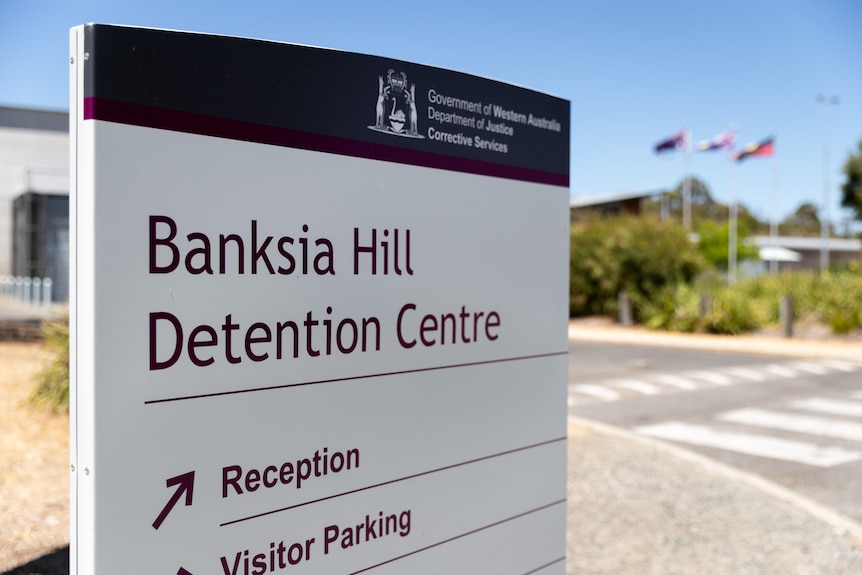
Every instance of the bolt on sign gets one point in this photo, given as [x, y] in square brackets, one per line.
[319, 312]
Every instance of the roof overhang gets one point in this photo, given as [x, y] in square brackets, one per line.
[779, 254]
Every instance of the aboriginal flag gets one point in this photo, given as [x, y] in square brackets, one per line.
[765, 148]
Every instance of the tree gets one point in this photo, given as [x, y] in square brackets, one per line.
[714, 240]
[851, 190]
[703, 207]
[805, 221]
[749, 221]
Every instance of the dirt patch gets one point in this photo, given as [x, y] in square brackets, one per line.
[34, 466]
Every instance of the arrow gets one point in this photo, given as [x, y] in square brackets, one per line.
[186, 483]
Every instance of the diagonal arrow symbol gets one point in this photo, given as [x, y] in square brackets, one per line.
[186, 483]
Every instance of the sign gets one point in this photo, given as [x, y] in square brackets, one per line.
[319, 312]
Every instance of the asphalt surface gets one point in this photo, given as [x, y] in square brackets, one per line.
[640, 506]
[637, 506]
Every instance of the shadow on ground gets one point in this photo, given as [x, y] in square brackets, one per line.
[54, 563]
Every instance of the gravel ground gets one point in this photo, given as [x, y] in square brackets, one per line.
[638, 507]
[34, 475]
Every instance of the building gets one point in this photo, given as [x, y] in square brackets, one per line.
[787, 252]
[34, 195]
[803, 253]
[616, 204]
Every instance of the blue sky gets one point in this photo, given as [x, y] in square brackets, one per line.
[634, 71]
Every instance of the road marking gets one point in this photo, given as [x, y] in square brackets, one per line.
[845, 366]
[780, 370]
[710, 376]
[745, 373]
[635, 385]
[798, 423]
[810, 367]
[674, 381]
[751, 444]
[827, 405]
[856, 395]
[596, 391]
[694, 379]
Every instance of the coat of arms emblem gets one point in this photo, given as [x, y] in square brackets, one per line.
[395, 112]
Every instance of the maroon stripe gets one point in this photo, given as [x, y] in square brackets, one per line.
[189, 122]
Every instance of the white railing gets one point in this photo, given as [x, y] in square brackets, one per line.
[32, 292]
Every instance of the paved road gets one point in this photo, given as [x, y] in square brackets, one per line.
[797, 422]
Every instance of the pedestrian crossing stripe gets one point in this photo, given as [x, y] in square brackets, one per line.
[781, 370]
[840, 365]
[595, 391]
[752, 444]
[711, 377]
[635, 385]
[807, 424]
[746, 373]
[656, 383]
[829, 405]
[675, 381]
[810, 367]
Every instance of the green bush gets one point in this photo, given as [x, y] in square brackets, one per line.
[833, 299]
[733, 313]
[840, 304]
[673, 308]
[641, 255]
[714, 239]
[52, 383]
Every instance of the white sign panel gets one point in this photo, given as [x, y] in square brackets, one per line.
[319, 312]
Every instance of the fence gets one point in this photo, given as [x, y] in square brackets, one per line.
[32, 292]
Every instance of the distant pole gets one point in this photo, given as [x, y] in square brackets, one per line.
[773, 224]
[732, 233]
[827, 102]
[686, 185]
[664, 198]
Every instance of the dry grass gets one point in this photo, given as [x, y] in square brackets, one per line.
[34, 462]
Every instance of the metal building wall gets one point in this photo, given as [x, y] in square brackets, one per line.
[34, 156]
[40, 244]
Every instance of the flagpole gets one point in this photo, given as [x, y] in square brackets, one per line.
[686, 185]
[824, 217]
[773, 225]
[732, 233]
[668, 175]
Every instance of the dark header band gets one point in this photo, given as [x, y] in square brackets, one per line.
[325, 100]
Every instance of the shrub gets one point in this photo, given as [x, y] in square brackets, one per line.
[52, 383]
[674, 308]
[641, 255]
[834, 299]
[733, 313]
[840, 303]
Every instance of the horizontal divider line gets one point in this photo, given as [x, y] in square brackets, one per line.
[462, 535]
[351, 378]
[398, 480]
[546, 565]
